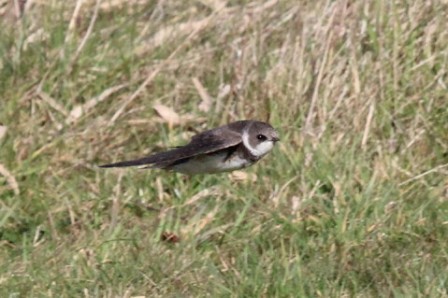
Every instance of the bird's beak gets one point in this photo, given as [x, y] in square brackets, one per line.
[275, 139]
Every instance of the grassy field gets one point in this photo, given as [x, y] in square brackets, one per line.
[353, 202]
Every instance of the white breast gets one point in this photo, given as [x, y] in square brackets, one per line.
[213, 163]
[259, 150]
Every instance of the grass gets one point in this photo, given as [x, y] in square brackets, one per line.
[352, 203]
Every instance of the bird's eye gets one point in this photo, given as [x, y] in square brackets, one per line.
[261, 137]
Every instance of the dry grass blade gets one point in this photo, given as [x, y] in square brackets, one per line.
[52, 102]
[153, 74]
[206, 102]
[113, 5]
[73, 21]
[358, 185]
[86, 36]
[195, 227]
[223, 92]
[215, 4]
[365, 137]
[419, 176]
[10, 179]
[11, 10]
[308, 127]
[79, 110]
[212, 191]
[166, 34]
[3, 130]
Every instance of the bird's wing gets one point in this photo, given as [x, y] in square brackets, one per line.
[203, 143]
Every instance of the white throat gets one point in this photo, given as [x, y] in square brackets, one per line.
[260, 149]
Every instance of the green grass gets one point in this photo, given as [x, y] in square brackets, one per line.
[352, 203]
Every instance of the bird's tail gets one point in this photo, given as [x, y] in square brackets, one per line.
[130, 163]
[158, 160]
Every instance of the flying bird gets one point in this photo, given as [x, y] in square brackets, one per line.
[226, 148]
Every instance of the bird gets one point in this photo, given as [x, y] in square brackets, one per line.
[226, 148]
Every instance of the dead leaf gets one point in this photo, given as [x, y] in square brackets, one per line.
[167, 114]
[390, 206]
[74, 115]
[295, 204]
[224, 91]
[243, 176]
[170, 237]
[38, 36]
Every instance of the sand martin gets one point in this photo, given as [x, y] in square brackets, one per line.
[230, 147]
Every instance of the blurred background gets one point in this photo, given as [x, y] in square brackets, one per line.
[353, 202]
